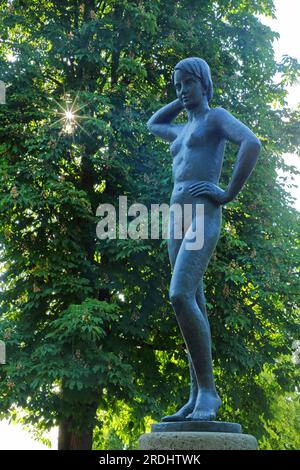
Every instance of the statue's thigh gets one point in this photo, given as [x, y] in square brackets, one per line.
[191, 263]
[174, 243]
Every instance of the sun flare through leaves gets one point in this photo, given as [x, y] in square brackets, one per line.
[69, 115]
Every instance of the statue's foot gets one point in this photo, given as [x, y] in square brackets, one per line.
[181, 414]
[206, 407]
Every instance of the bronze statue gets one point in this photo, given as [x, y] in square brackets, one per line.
[198, 148]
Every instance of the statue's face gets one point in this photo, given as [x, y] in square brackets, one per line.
[188, 88]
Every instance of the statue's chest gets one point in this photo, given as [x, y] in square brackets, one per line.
[189, 140]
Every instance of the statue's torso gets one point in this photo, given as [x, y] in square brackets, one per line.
[198, 152]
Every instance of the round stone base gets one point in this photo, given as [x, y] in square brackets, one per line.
[197, 441]
[196, 426]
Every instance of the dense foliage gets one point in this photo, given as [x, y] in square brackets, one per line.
[91, 338]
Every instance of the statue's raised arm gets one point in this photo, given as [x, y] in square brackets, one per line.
[160, 124]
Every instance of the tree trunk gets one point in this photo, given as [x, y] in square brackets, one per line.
[71, 440]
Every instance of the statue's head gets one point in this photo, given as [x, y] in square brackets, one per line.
[192, 80]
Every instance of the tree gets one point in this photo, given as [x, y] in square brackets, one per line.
[91, 337]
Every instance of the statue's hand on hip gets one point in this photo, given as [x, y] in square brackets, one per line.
[211, 190]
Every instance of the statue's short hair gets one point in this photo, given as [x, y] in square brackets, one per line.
[199, 68]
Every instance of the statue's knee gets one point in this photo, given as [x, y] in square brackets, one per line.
[178, 298]
[200, 296]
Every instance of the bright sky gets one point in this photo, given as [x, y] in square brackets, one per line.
[287, 25]
[13, 437]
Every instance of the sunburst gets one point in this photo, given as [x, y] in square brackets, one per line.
[70, 115]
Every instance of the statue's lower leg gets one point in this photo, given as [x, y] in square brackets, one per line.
[196, 332]
[202, 404]
[209, 401]
[186, 409]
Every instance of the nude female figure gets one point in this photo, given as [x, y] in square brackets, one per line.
[198, 148]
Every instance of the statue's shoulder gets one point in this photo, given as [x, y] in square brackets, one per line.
[219, 118]
[219, 114]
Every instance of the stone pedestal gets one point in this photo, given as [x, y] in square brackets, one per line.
[197, 435]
